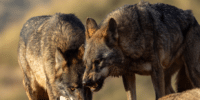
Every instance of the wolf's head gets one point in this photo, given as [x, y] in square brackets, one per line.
[68, 75]
[102, 53]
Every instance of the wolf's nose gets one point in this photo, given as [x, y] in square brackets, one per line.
[86, 83]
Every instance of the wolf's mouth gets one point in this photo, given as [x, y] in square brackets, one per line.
[96, 86]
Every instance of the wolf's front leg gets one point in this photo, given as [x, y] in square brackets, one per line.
[130, 86]
[157, 77]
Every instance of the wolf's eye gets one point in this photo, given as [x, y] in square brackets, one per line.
[60, 79]
[97, 62]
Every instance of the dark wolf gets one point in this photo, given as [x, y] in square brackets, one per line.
[50, 56]
[145, 39]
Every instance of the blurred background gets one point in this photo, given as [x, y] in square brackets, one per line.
[14, 13]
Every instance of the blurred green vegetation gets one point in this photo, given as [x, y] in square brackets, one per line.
[11, 77]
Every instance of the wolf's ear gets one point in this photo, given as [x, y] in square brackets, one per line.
[60, 61]
[112, 28]
[91, 27]
[81, 51]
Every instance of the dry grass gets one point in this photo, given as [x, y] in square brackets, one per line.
[193, 94]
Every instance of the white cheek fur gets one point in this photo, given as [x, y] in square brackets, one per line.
[63, 98]
[104, 72]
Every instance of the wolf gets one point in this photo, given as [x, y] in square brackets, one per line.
[193, 94]
[145, 39]
[50, 56]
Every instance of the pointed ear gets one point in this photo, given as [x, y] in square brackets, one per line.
[91, 27]
[112, 27]
[81, 51]
[60, 61]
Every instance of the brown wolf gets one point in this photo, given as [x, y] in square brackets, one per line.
[193, 94]
[50, 57]
[145, 39]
